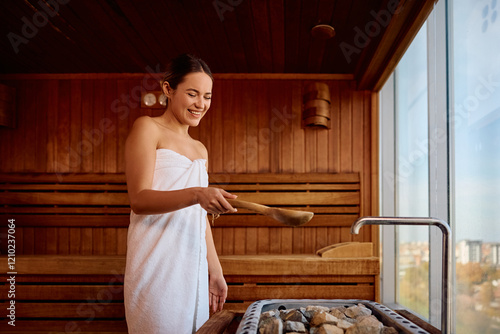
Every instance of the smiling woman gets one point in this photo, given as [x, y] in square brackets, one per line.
[171, 257]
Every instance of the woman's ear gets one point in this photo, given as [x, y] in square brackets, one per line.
[167, 90]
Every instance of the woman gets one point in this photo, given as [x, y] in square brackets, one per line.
[172, 273]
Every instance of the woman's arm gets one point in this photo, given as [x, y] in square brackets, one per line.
[217, 283]
[140, 157]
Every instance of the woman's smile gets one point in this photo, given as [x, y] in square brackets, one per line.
[195, 113]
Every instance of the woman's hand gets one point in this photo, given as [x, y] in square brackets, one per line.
[213, 200]
[217, 292]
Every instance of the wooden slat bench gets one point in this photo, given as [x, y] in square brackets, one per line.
[85, 293]
[100, 200]
[71, 241]
[88, 214]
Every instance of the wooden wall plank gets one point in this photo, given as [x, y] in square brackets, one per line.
[262, 133]
[53, 96]
[250, 144]
[263, 240]
[345, 127]
[16, 162]
[98, 241]
[28, 240]
[216, 158]
[276, 125]
[29, 123]
[358, 153]
[86, 241]
[51, 240]
[228, 241]
[86, 148]
[287, 151]
[226, 154]
[121, 109]
[110, 243]
[63, 241]
[333, 134]
[63, 127]
[108, 128]
[240, 127]
[41, 127]
[75, 241]
[251, 240]
[121, 240]
[286, 236]
[297, 131]
[275, 240]
[239, 241]
[95, 134]
[40, 241]
[75, 157]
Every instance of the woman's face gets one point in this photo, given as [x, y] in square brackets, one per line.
[191, 100]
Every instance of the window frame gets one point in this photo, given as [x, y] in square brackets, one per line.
[439, 166]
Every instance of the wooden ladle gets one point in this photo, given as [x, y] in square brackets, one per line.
[285, 216]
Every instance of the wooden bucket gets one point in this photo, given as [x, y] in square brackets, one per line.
[316, 91]
[316, 101]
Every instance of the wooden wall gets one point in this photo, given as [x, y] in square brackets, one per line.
[79, 123]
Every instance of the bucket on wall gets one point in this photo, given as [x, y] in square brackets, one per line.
[316, 102]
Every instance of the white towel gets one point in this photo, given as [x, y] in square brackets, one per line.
[166, 275]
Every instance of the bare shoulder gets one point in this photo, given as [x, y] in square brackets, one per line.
[202, 149]
[144, 133]
[145, 125]
[145, 122]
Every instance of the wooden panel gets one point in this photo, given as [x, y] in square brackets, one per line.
[81, 122]
[71, 326]
[283, 291]
[99, 293]
[34, 198]
[7, 106]
[69, 265]
[88, 310]
[291, 264]
[293, 279]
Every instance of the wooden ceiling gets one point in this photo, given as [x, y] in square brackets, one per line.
[232, 36]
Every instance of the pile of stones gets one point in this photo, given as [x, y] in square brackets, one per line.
[356, 319]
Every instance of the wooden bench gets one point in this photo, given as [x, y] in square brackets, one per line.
[88, 214]
[100, 200]
[85, 293]
[71, 241]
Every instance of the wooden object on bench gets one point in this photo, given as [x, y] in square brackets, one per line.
[85, 293]
[217, 323]
[347, 250]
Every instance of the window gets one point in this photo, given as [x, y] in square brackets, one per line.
[412, 178]
[475, 129]
[440, 157]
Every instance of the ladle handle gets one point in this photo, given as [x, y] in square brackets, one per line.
[259, 208]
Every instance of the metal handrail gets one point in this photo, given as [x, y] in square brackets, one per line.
[446, 262]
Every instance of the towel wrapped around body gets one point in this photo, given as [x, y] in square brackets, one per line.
[166, 275]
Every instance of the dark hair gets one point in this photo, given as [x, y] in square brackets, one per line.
[181, 66]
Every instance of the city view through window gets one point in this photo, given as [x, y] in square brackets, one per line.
[473, 133]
